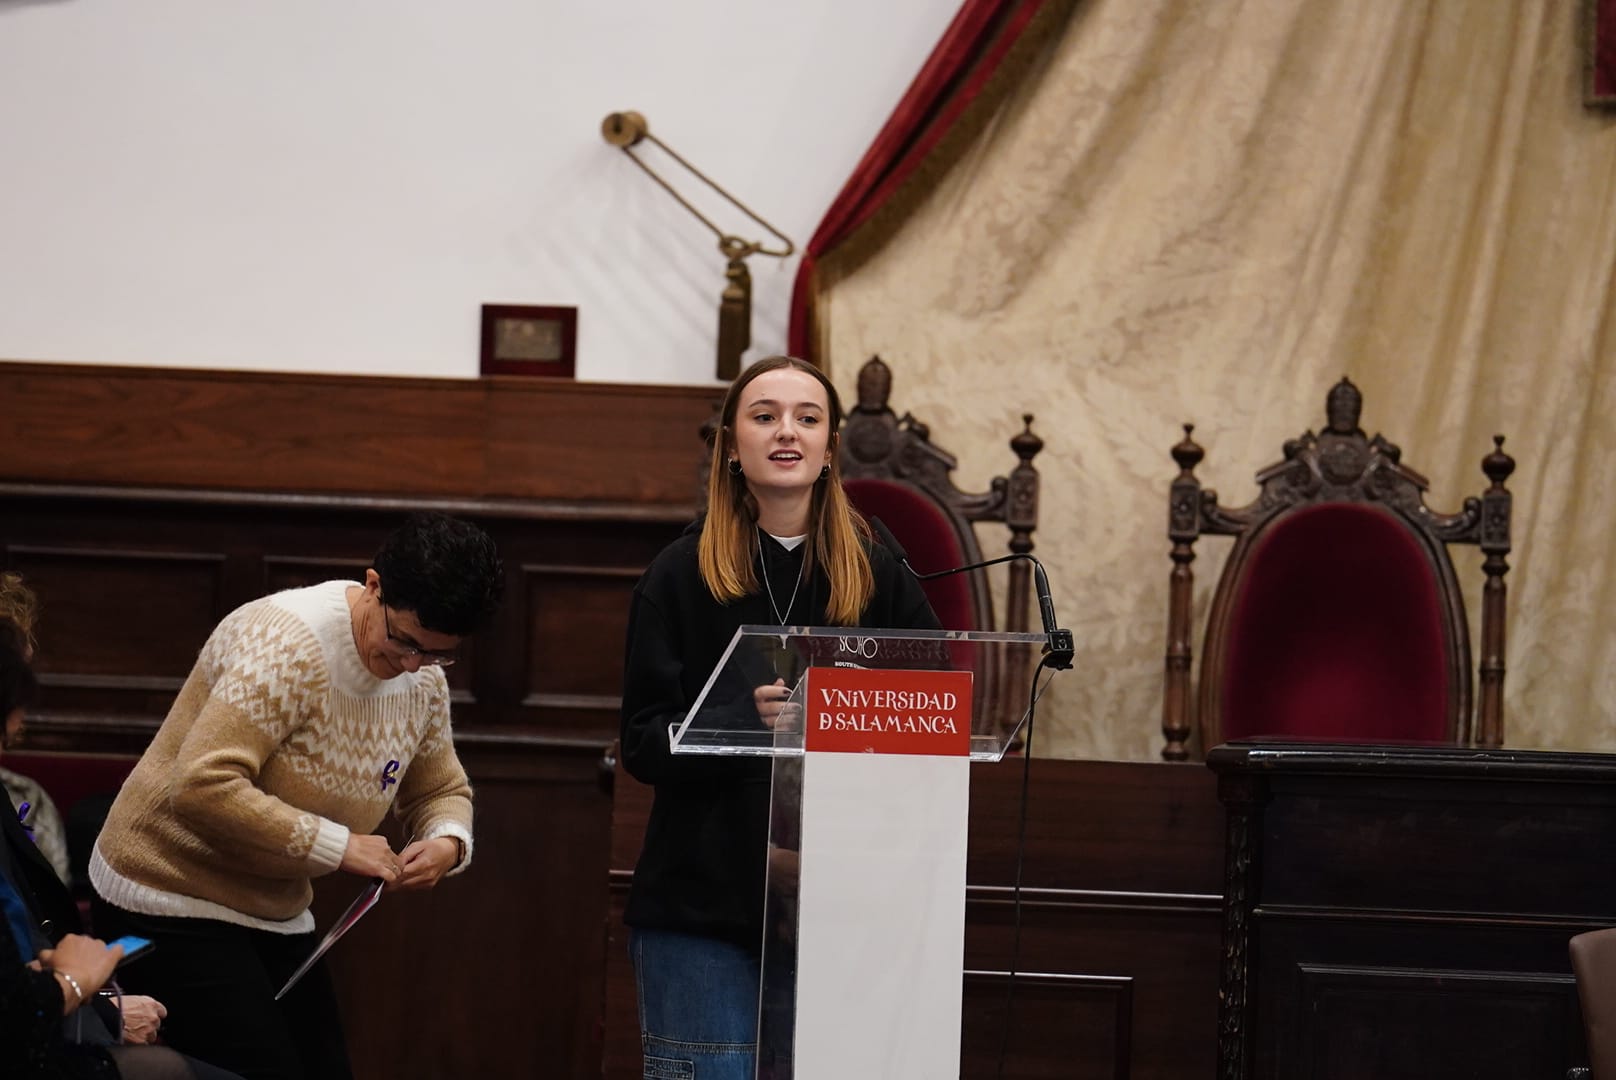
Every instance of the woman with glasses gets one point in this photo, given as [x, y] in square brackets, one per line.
[308, 715]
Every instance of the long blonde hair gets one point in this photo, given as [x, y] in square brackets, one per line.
[836, 532]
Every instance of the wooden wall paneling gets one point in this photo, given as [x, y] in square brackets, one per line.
[108, 595]
[281, 572]
[566, 616]
[1065, 1027]
[1336, 829]
[577, 621]
[1123, 877]
[201, 428]
[1431, 996]
[598, 441]
[135, 618]
[1165, 946]
[1352, 1021]
[539, 439]
[1100, 826]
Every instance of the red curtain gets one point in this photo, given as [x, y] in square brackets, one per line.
[965, 59]
[1602, 70]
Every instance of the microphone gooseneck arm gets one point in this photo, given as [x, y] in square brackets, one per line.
[1059, 647]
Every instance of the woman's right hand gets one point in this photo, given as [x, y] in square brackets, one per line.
[372, 857]
[87, 960]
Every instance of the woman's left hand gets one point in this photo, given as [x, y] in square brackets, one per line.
[424, 863]
[775, 708]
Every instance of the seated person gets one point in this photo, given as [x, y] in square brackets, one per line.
[19, 609]
[44, 988]
[47, 903]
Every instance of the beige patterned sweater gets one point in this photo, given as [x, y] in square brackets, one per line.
[279, 744]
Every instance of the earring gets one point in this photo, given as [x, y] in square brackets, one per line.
[824, 474]
[735, 466]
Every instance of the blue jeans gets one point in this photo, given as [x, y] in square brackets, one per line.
[698, 1006]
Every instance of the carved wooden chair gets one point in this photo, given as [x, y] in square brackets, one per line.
[892, 470]
[1338, 614]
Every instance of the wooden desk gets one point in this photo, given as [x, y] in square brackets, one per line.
[1400, 912]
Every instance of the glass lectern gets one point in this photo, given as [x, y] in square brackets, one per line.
[872, 736]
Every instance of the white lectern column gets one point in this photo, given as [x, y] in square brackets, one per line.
[881, 916]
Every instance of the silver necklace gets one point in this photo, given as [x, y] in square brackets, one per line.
[763, 567]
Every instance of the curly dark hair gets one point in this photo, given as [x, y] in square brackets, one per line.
[444, 570]
[18, 687]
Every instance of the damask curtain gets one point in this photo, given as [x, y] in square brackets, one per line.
[1211, 211]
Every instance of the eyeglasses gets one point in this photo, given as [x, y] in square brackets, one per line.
[409, 648]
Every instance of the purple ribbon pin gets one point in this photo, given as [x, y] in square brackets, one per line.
[390, 774]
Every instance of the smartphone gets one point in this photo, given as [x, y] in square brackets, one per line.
[133, 947]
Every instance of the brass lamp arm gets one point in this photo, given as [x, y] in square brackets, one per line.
[626, 129]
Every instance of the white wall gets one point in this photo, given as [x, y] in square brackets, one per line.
[338, 185]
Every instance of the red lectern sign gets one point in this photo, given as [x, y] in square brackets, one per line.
[865, 711]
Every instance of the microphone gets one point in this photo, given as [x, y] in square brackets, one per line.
[1059, 648]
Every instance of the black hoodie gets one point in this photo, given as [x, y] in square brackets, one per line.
[701, 870]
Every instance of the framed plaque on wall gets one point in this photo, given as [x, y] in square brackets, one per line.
[524, 340]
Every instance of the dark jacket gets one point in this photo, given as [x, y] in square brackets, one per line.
[48, 900]
[31, 1042]
[701, 870]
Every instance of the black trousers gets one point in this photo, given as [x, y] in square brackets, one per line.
[218, 981]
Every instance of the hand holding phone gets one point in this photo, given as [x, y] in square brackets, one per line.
[133, 947]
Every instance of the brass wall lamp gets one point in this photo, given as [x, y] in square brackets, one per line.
[626, 130]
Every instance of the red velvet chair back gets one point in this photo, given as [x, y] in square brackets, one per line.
[1337, 632]
[929, 538]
